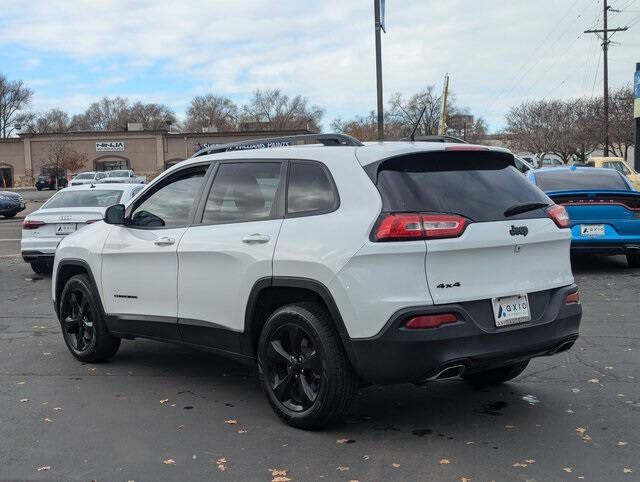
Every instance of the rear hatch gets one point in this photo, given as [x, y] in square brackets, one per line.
[488, 231]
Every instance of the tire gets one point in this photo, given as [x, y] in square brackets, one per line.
[83, 328]
[39, 188]
[633, 260]
[42, 267]
[321, 370]
[496, 375]
[10, 215]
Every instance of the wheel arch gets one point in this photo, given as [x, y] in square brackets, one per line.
[269, 294]
[68, 268]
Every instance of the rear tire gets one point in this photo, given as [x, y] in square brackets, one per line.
[10, 215]
[496, 375]
[303, 367]
[83, 328]
[42, 267]
[633, 260]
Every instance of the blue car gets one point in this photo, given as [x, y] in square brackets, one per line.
[11, 203]
[603, 207]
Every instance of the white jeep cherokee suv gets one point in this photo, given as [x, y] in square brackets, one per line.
[329, 266]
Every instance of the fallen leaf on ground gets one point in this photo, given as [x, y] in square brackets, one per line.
[22, 400]
[165, 400]
[575, 390]
[342, 468]
[444, 461]
[345, 441]
[221, 464]
[581, 430]
[365, 457]
[48, 420]
[518, 464]
[530, 461]
[470, 443]
[594, 380]
[627, 471]
[608, 368]
[44, 467]
[569, 410]
[395, 466]
[230, 422]
[622, 443]
[169, 462]
[57, 408]
[46, 353]
[464, 479]
[509, 426]
[20, 383]
[568, 470]
[242, 431]
[278, 472]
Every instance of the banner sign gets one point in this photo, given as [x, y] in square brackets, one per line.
[110, 146]
[262, 145]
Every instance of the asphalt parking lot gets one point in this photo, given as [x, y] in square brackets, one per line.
[10, 229]
[166, 412]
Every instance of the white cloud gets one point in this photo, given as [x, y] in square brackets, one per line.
[496, 52]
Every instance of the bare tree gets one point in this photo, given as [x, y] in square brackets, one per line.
[14, 98]
[406, 112]
[621, 121]
[152, 116]
[272, 110]
[108, 114]
[211, 110]
[529, 128]
[62, 158]
[52, 121]
[362, 128]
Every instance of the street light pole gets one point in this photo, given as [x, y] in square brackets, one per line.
[376, 7]
[636, 115]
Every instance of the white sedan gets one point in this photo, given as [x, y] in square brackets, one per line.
[64, 213]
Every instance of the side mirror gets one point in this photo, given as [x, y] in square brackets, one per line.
[114, 214]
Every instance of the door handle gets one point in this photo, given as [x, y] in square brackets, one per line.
[256, 238]
[164, 241]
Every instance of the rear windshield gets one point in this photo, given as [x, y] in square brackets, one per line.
[86, 175]
[84, 199]
[587, 179]
[118, 174]
[478, 185]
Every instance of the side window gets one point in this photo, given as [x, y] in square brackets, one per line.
[310, 189]
[243, 191]
[171, 205]
[622, 168]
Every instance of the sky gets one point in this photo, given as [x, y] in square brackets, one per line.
[496, 52]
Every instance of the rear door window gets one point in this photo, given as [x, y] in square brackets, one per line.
[480, 186]
[310, 190]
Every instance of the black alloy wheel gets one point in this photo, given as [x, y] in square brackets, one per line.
[293, 367]
[77, 324]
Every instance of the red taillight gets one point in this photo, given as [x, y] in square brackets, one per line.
[402, 227]
[572, 298]
[431, 321]
[28, 224]
[559, 215]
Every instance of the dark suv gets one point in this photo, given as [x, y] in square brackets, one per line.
[48, 181]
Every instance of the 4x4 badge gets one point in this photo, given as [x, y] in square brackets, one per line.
[449, 285]
[518, 230]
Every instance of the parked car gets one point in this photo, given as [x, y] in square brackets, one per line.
[48, 181]
[330, 265]
[64, 213]
[87, 178]
[603, 207]
[11, 203]
[522, 165]
[531, 159]
[548, 162]
[123, 176]
[620, 165]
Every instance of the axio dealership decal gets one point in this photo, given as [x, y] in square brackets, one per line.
[109, 146]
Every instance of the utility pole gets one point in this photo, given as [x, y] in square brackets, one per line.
[378, 27]
[443, 129]
[606, 40]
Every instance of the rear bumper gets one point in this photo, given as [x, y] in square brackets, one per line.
[15, 208]
[471, 344]
[30, 256]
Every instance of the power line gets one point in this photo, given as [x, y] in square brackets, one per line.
[595, 77]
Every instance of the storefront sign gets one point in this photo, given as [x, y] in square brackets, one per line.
[636, 94]
[110, 146]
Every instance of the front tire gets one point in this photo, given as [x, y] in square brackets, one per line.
[303, 368]
[83, 327]
[633, 260]
[496, 375]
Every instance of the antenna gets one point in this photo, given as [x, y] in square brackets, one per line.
[415, 127]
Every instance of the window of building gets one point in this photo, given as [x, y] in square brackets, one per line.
[243, 192]
[112, 164]
[310, 189]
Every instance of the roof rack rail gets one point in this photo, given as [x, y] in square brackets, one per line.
[282, 141]
[437, 138]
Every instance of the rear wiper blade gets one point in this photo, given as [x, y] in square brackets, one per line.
[523, 208]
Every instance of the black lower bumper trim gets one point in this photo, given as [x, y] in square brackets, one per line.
[30, 256]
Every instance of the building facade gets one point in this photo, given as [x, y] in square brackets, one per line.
[146, 152]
